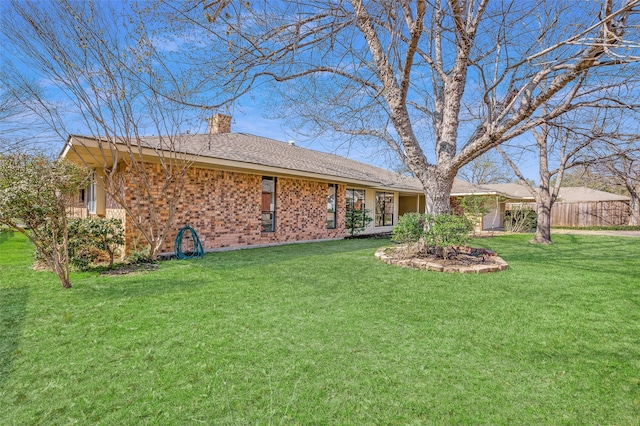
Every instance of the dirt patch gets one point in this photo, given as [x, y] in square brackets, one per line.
[131, 269]
[467, 260]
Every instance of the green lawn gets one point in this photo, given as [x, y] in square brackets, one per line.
[325, 334]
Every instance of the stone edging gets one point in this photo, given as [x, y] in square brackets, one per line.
[498, 264]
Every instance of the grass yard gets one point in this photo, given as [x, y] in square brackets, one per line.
[325, 334]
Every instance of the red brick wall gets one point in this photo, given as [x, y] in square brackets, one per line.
[224, 208]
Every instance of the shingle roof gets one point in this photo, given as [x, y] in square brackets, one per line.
[569, 194]
[574, 194]
[260, 151]
[269, 152]
[511, 190]
[461, 187]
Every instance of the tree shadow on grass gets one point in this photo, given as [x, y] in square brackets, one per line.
[5, 235]
[571, 248]
[178, 276]
[286, 254]
[612, 256]
[13, 304]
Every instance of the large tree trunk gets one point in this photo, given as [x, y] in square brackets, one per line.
[437, 190]
[543, 228]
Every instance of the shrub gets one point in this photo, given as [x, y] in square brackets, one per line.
[520, 220]
[410, 228]
[83, 257]
[139, 256]
[434, 233]
[92, 238]
[445, 231]
[106, 235]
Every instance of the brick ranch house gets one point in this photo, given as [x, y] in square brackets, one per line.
[244, 190]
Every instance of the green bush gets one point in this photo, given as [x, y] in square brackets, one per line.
[91, 238]
[436, 233]
[107, 235]
[81, 252]
[520, 220]
[447, 230]
[84, 256]
[410, 228]
[139, 256]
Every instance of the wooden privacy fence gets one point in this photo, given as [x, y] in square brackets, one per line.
[587, 213]
[592, 213]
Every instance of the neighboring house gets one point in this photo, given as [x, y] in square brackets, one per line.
[504, 195]
[575, 206]
[246, 190]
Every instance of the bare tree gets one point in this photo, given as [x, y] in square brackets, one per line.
[464, 75]
[583, 175]
[618, 162]
[627, 170]
[18, 124]
[116, 88]
[560, 146]
[486, 169]
[9, 109]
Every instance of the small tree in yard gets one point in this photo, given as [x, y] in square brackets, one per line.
[475, 207]
[107, 235]
[617, 163]
[356, 220]
[102, 57]
[561, 145]
[37, 193]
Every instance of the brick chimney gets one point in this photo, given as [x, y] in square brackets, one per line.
[219, 123]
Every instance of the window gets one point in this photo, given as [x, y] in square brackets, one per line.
[94, 197]
[384, 209]
[331, 206]
[92, 201]
[268, 204]
[355, 200]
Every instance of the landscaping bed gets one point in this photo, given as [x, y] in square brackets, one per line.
[467, 260]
